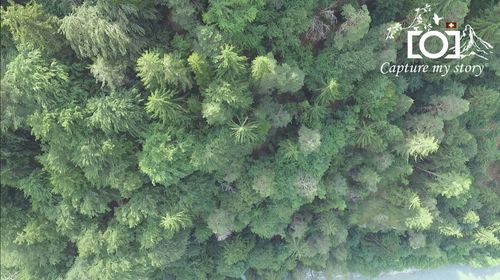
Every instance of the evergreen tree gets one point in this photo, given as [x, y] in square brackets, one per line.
[228, 139]
[109, 31]
[32, 28]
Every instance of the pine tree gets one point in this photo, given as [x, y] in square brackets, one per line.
[354, 28]
[221, 223]
[269, 75]
[115, 113]
[232, 16]
[168, 139]
[183, 13]
[31, 83]
[175, 222]
[329, 93]
[421, 145]
[31, 27]
[486, 236]
[109, 74]
[199, 66]
[421, 221]
[309, 140]
[165, 106]
[158, 72]
[229, 64]
[448, 107]
[244, 131]
[105, 30]
[450, 184]
[263, 66]
[164, 157]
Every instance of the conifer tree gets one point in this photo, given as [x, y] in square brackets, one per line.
[228, 139]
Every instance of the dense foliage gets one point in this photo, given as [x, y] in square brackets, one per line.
[252, 139]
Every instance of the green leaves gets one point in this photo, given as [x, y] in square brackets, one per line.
[451, 230]
[263, 66]
[224, 139]
[164, 77]
[164, 106]
[31, 27]
[307, 185]
[109, 74]
[199, 66]
[31, 82]
[221, 223]
[289, 78]
[229, 64]
[244, 131]
[263, 183]
[471, 218]
[421, 145]
[486, 236]
[149, 69]
[183, 13]
[369, 179]
[136, 209]
[356, 25]
[366, 136]
[449, 107]
[451, 184]
[176, 72]
[487, 26]
[165, 156]
[421, 221]
[233, 94]
[232, 16]
[116, 112]
[157, 72]
[175, 222]
[484, 102]
[237, 249]
[33, 76]
[329, 93]
[289, 150]
[229, 92]
[309, 140]
[268, 75]
[105, 31]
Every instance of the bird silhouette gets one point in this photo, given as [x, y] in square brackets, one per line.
[436, 19]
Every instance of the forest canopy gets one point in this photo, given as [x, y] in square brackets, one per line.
[241, 139]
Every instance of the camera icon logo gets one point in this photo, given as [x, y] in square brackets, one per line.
[444, 38]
